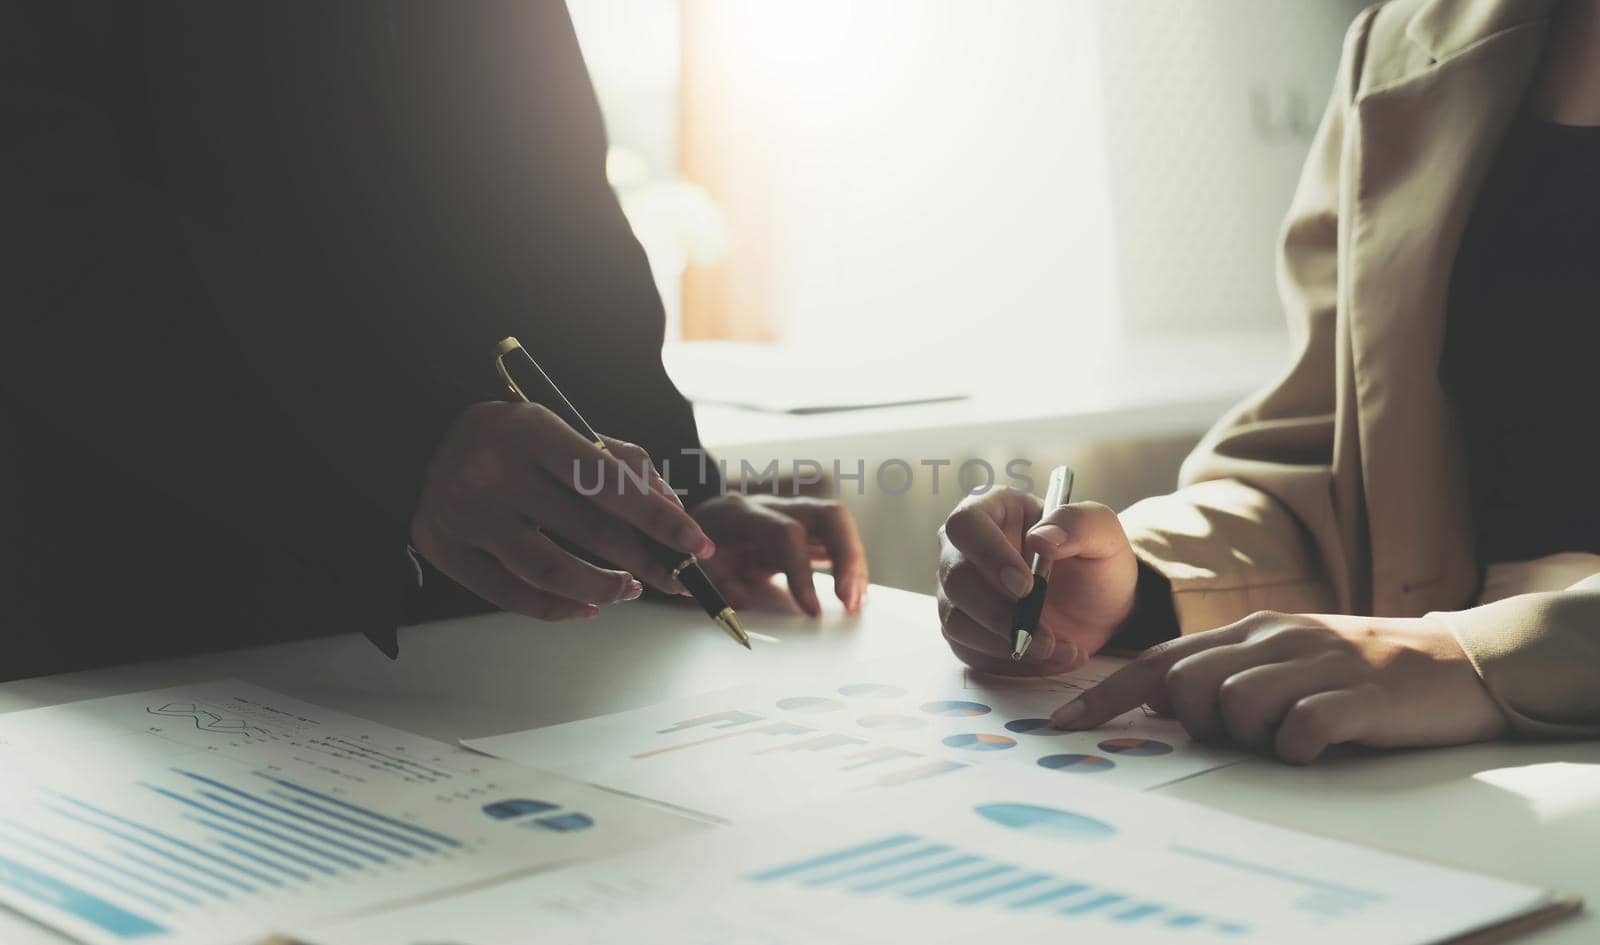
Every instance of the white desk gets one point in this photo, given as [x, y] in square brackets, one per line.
[1525, 812]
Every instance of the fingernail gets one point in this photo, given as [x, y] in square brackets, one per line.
[634, 590]
[1016, 580]
[1069, 714]
[1053, 535]
[589, 610]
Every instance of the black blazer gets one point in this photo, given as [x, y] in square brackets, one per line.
[256, 257]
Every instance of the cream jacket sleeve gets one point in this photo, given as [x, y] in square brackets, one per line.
[1254, 525]
[1539, 654]
[1269, 514]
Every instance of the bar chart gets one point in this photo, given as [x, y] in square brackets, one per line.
[229, 808]
[915, 868]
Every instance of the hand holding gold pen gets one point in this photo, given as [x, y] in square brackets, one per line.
[528, 382]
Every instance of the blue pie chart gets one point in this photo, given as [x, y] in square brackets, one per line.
[1077, 764]
[955, 708]
[1034, 727]
[980, 741]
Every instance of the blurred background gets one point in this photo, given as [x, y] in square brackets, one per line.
[936, 231]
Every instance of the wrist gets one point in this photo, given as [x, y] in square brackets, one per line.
[1153, 619]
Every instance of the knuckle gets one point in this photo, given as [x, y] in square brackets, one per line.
[1262, 621]
[793, 531]
[958, 527]
[1235, 699]
[1308, 721]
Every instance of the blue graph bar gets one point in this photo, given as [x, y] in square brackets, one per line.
[1094, 905]
[346, 805]
[398, 838]
[248, 838]
[252, 825]
[957, 881]
[322, 825]
[163, 888]
[1185, 921]
[258, 858]
[1020, 883]
[838, 856]
[1144, 911]
[75, 902]
[164, 854]
[71, 867]
[185, 846]
[896, 880]
[166, 871]
[260, 816]
[1050, 895]
[931, 849]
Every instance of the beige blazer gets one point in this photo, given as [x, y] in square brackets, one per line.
[1341, 488]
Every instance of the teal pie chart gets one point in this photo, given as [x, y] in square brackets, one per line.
[1034, 727]
[1050, 821]
[1077, 764]
[1135, 746]
[980, 741]
[955, 708]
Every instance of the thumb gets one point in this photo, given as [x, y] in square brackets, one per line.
[1080, 530]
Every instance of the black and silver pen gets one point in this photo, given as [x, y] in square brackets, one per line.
[528, 381]
[1025, 619]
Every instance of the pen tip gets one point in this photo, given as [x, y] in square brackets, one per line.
[730, 624]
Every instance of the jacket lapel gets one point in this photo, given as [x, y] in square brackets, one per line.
[1421, 145]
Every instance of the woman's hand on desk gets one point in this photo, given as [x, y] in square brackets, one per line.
[985, 548]
[501, 490]
[1295, 684]
[763, 535]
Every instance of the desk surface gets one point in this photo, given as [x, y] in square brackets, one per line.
[1525, 812]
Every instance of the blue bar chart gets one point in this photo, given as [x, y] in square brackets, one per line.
[914, 868]
[227, 808]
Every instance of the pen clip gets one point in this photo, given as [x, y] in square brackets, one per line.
[505, 347]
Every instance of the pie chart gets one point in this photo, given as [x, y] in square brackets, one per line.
[1046, 820]
[955, 708]
[872, 690]
[1077, 764]
[890, 721]
[1033, 727]
[980, 741]
[810, 704]
[1135, 746]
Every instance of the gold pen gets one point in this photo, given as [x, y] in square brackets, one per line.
[523, 374]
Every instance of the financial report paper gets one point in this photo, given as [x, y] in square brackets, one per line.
[869, 727]
[214, 813]
[1010, 857]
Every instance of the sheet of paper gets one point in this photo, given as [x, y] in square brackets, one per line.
[761, 749]
[1008, 858]
[209, 813]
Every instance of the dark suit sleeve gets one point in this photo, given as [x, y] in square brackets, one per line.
[534, 225]
[167, 344]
